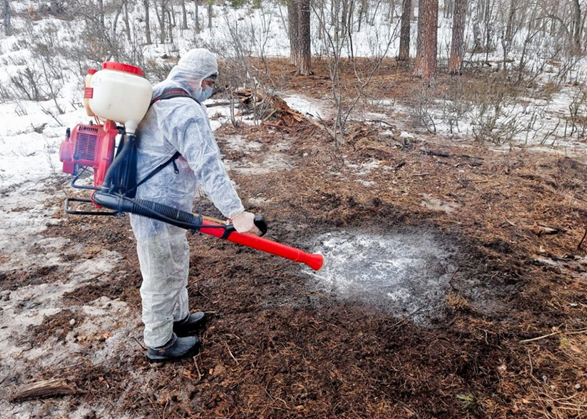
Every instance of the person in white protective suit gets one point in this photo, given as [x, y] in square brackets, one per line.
[179, 124]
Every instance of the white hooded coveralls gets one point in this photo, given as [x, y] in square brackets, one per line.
[177, 124]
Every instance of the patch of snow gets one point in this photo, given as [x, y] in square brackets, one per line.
[237, 142]
[304, 105]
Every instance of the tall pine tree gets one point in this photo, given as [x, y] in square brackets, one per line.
[457, 49]
[426, 59]
[299, 35]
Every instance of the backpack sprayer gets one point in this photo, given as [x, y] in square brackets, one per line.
[120, 96]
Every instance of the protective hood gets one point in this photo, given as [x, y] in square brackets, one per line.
[193, 67]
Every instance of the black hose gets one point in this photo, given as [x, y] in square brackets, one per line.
[149, 209]
[121, 172]
[112, 170]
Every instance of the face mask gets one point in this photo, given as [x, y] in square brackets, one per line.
[204, 94]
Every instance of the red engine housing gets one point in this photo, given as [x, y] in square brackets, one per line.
[89, 146]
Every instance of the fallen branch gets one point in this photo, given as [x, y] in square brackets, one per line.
[211, 105]
[541, 337]
[558, 332]
[434, 153]
[44, 389]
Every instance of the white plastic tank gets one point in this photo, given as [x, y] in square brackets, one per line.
[120, 93]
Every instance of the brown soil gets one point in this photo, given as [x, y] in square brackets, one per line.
[277, 348]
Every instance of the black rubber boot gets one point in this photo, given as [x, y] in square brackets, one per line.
[190, 325]
[176, 348]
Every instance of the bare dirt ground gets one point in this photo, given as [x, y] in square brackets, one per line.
[511, 342]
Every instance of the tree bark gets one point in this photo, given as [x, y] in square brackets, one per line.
[405, 32]
[101, 17]
[184, 15]
[161, 19]
[457, 49]
[127, 22]
[115, 20]
[293, 20]
[426, 60]
[509, 30]
[476, 18]
[305, 40]
[44, 389]
[487, 18]
[148, 39]
[421, 31]
[170, 18]
[6, 18]
[577, 28]
[363, 13]
[300, 41]
[197, 16]
[508, 37]
[210, 15]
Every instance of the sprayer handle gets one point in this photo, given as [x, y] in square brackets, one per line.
[261, 224]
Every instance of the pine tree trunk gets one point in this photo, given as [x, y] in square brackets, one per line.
[101, 15]
[405, 32]
[293, 31]
[6, 18]
[210, 15]
[304, 39]
[343, 19]
[363, 13]
[508, 38]
[509, 31]
[476, 18]
[197, 16]
[457, 49]
[161, 18]
[421, 32]
[171, 21]
[115, 20]
[577, 27]
[148, 39]
[426, 60]
[300, 41]
[488, 29]
[184, 15]
[127, 22]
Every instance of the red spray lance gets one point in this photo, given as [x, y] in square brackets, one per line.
[206, 225]
[108, 92]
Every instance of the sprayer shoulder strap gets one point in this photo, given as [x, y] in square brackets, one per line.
[160, 167]
[168, 93]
